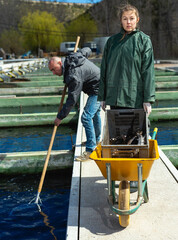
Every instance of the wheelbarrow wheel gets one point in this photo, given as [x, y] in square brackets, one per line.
[124, 202]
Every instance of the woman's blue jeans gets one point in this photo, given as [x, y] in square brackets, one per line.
[91, 121]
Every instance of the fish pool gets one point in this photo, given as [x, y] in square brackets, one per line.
[22, 220]
[19, 219]
[167, 132]
[24, 139]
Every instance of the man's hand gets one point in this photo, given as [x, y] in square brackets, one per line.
[57, 121]
[147, 108]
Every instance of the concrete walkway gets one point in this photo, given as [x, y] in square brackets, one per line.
[156, 219]
[89, 215]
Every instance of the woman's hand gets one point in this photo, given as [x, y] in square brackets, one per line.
[147, 108]
[103, 105]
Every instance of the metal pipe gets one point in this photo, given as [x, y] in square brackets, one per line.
[139, 179]
[108, 171]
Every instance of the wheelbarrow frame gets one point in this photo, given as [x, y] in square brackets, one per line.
[142, 192]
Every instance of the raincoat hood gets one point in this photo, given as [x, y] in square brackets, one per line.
[77, 59]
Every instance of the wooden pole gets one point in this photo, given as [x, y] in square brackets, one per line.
[52, 138]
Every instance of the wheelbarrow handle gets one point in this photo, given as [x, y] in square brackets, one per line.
[154, 133]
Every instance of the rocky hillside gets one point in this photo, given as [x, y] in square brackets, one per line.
[158, 19]
[11, 11]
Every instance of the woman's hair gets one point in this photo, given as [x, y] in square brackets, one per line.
[125, 8]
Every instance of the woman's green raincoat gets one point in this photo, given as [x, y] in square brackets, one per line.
[127, 71]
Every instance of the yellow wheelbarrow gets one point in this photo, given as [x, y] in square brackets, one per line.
[125, 170]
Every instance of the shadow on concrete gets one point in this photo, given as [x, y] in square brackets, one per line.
[95, 213]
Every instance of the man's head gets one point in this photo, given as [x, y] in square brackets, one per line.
[55, 65]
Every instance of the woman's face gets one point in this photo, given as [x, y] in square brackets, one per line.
[129, 21]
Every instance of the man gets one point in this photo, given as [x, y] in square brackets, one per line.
[80, 74]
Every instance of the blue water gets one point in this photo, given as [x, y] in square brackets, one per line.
[165, 104]
[22, 221]
[31, 109]
[36, 138]
[167, 132]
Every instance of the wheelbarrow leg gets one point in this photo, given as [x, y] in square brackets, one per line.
[111, 184]
[140, 185]
[145, 193]
[139, 180]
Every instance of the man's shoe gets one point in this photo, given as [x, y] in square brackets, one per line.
[84, 143]
[84, 157]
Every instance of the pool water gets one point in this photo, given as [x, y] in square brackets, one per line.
[31, 109]
[167, 132]
[26, 139]
[165, 103]
[21, 220]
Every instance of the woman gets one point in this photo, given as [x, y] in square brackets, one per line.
[127, 68]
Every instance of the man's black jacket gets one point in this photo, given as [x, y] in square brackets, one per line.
[80, 74]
